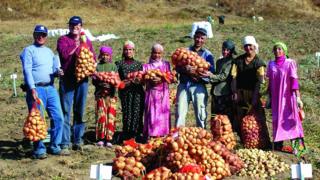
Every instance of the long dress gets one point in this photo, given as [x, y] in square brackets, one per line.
[157, 103]
[132, 100]
[105, 110]
[247, 80]
[285, 115]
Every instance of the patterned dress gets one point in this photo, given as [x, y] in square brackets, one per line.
[132, 100]
[105, 110]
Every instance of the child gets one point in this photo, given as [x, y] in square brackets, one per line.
[105, 100]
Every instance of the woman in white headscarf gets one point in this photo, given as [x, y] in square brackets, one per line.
[157, 101]
[132, 96]
[248, 72]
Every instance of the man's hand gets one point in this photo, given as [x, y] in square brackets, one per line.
[191, 70]
[77, 46]
[34, 94]
[60, 73]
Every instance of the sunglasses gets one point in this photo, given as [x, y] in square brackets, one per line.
[40, 34]
[248, 45]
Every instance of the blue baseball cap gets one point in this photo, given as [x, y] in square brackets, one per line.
[40, 29]
[75, 20]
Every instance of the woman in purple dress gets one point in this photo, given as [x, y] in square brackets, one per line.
[157, 103]
[285, 100]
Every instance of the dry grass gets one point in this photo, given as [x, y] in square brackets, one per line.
[283, 9]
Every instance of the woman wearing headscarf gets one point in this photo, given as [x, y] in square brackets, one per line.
[132, 96]
[286, 101]
[221, 81]
[157, 102]
[247, 73]
[105, 100]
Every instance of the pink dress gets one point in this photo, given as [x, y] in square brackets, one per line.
[157, 103]
[286, 122]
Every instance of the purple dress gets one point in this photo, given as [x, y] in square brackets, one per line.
[157, 103]
[286, 122]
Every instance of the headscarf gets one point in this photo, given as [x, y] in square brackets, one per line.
[154, 47]
[228, 44]
[106, 50]
[251, 40]
[129, 44]
[283, 46]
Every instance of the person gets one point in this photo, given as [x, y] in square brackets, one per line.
[221, 82]
[286, 101]
[105, 100]
[191, 86]
[132, 96]
[157, 102]
[73, 94]
[247, 73]
[39, 67]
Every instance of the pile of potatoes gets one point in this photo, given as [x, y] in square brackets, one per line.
[111, 78]
[183, 147]
[252, 134]
[35, 128]
[221, 130]
[128, 167]
[182, 57]
[153, 75]
[260, 164]
[85, 64]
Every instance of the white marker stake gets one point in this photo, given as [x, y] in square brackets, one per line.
[100, 172]
[301, 171]
[14, 77]
[318, 58]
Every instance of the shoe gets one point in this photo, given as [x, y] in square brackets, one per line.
[41, 156]
[77, 147]
[65, 152]
[100, 143]
[109, 145]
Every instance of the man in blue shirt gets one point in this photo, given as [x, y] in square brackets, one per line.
[191, 86]
[39, 67]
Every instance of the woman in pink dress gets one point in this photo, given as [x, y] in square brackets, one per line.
[157, 102]
[285, 100]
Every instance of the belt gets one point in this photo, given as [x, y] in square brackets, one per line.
[43, 84]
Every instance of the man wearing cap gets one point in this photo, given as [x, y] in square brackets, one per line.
[73, 94]
[192, 87]
[39, 67]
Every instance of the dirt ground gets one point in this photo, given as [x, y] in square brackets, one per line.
[15, 153]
